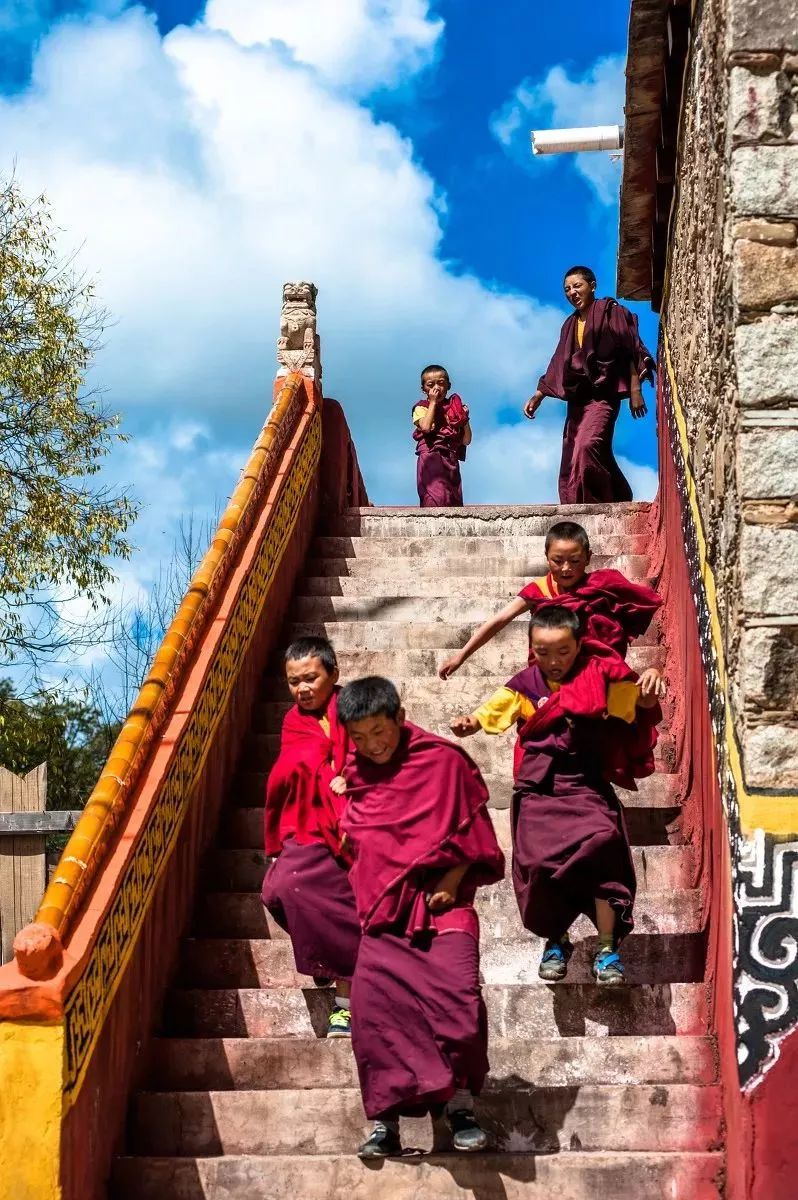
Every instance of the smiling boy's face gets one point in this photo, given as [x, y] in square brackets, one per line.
[555, 651]
[377, 738]
[567, 562]
[309, 682]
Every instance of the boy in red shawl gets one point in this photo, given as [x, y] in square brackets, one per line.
[306, 889]
[441, 431]
[585, 723]
[418, 827]
[612, 609]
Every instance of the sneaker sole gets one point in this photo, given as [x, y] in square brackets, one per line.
[610, 982]
[486, 1145]
[371, 1155]
[337, 1033]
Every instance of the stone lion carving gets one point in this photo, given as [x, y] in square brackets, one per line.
[298, 347]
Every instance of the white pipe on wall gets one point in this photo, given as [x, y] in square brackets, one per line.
[564, 141]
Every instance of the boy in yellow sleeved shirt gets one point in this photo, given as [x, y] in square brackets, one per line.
[586, 722]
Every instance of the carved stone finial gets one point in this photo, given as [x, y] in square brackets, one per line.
[298, 347]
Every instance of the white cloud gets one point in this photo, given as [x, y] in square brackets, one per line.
[201, 170]
[357, 44]
[560, 101]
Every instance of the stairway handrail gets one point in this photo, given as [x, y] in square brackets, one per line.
[38, 948]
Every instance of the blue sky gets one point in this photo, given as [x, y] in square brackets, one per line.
[198, 155]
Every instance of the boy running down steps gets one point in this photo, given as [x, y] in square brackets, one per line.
[613, 610]
[306, 889]
[585, 723]
[423, 842]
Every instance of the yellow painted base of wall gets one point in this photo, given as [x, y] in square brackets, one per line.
[31, 1085]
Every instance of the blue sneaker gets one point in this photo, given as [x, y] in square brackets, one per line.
[339, 1024]
[608, 968]
[554, 963]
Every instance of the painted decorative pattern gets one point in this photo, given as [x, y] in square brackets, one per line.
[765, 867]
[92, 995]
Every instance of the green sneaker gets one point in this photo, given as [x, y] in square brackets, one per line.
[339, 1023]
[608, 968]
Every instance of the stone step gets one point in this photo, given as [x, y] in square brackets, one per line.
[508, 1176]
[241, 914]
[456, 605]
[502, 586]
[493, 754]
[658, 868]
[489, 668]
[613, 520]
[330, 1120]
[415, 672]
[222, 1064]
[515, 1011]
[509, 546]
[228, 962]
[421, 633]
[451, 571]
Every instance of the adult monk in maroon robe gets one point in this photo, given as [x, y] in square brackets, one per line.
[423, 842]
[612, 609]
[441, 431]
[306, 889]
[599, 361]
[585, 725]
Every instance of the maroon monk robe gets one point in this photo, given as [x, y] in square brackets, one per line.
[593, 378]
[440, 453]
[570, 845]
[418, 1018]
[613, 609]
[307, 889]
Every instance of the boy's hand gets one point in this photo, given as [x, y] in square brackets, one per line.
[637, 405]
[465, 726]
[652, 687]
[338, 785]
[443, 898]
[450, 666]
[532, 405]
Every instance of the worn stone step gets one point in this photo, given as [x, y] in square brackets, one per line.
[221, 1064]
[415, 672]
[651, 814]
[456, 607]
[658, 868]
[515, 1011]
[295, 1121]
[493, 754]
[489, 668]
[229, 962]
[508, 546]
[378, 632]
[485, 520]
[508, 1176]
[450, 572]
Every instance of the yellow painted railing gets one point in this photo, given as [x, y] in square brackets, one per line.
[38, 948]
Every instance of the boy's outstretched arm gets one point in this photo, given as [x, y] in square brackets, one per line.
[484, 634]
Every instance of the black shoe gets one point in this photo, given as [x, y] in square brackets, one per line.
[383, 1143]
[321, 981]
[468, 1134]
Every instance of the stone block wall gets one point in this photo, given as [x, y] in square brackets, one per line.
[762, 50]
[732, 319]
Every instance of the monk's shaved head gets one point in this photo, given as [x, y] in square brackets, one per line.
[369, 697]
[556, 617]
[313, 647]
[568, 531]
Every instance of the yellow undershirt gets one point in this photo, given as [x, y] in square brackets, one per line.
[580, 330]
[505, 707]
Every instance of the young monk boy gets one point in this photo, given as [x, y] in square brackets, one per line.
[423, 843]
[441, 431]
[306, 889]
[613, 610]
[584, 724]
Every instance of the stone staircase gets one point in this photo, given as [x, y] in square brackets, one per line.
[591, 1092]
